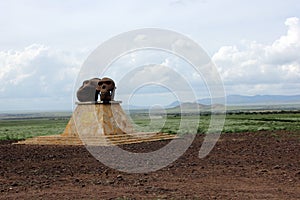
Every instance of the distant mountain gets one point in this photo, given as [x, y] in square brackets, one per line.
[205, 104]
[132, 107]
[174, 104]
[254, 100]
[196, 107]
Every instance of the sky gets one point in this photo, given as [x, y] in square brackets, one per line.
[255, 46]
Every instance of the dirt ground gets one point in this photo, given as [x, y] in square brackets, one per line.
[261, 165]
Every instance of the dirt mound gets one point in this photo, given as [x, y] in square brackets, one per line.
[262, 165]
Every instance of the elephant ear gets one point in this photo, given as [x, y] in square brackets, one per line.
[87, 91]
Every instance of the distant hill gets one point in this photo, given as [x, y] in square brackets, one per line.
[188, 107]
[231, 100]
[255, 100]
[35, 115]
[174, 104]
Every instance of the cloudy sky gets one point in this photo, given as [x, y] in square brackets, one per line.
[254, 44]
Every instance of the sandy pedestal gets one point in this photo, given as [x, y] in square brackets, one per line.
[98, 124]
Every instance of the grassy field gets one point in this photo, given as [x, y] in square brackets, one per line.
[238, 122]
[17, 128]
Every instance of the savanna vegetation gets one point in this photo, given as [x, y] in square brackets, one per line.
[21, 127]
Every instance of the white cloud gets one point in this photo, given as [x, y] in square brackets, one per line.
[262, 68]
[156, 74]
[137, 68]
[38, 71]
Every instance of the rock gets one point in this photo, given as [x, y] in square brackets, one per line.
[264, 170]
[14, 184]
[120, 177]
[276, 167]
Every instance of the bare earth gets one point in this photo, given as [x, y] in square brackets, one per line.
[262, 165]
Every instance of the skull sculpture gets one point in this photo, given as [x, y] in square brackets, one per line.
[87, 92]
[106, 86]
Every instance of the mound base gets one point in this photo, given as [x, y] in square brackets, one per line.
[98, 124]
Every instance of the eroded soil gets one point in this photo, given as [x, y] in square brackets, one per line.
[262, 165]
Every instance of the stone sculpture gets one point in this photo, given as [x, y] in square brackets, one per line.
[87, 92]
[96, 123]
[90, 90]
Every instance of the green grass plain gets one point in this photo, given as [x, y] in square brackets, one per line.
[20, 128]
[238, 122]
[17, 129]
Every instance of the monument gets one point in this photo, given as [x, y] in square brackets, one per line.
[98, 122]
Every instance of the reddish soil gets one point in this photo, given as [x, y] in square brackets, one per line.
[262, 165]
